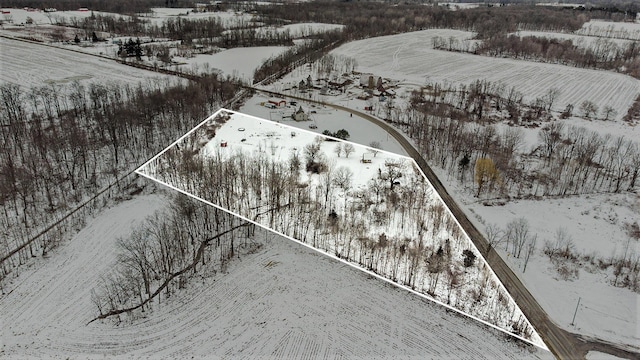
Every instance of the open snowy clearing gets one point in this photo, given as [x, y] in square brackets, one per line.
[28, 64]
[285, 301]
[410, 57]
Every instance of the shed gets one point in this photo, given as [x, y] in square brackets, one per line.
[366, 157]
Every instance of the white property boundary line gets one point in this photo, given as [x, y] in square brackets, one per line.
[139, 171]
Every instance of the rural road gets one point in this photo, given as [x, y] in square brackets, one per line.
[563, 344]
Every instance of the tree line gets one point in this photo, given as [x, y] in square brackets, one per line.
[566, 160]
[115, 6]
[602, 54]
[368, 19]
[63, 144]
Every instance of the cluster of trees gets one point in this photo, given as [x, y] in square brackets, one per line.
[340, 134]
[567, 160]
[367, 19]
[394, 226]
[255, 37]
[602, 54]
[475, 102]
[63, 144]
[624, 265]
[130, 48]
[168, 249]
[309, 51]
[205, 31]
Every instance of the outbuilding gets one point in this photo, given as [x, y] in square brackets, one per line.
[278, 102]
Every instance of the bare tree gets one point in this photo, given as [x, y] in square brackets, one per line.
[531, 248]
[338, 149]
[588, 109]
[495, 235]
[551, 96]
[608, 112]
[375, 147]
[348, 149]
[343, 177]
[518, 234]
[394, 170]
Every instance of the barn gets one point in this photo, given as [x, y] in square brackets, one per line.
[278, 102]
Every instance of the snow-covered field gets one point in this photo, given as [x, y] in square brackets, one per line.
[30, 64]
[285, 301]
[410, 57]
[240, 62]
[610, 29]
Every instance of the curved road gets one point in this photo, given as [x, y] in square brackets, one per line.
[563, 344]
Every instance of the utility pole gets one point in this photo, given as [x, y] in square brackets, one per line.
[574, 314]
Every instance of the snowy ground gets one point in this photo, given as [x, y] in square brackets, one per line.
[595, 223]
[596, 355]
[285, 301]
[30, 64]
[409, 57]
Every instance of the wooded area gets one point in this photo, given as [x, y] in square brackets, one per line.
[62, 146]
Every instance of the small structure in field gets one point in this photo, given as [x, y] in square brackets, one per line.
[366, 158]
[223, 143]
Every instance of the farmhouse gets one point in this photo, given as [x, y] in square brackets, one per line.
[278, 102]
[300, 115]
